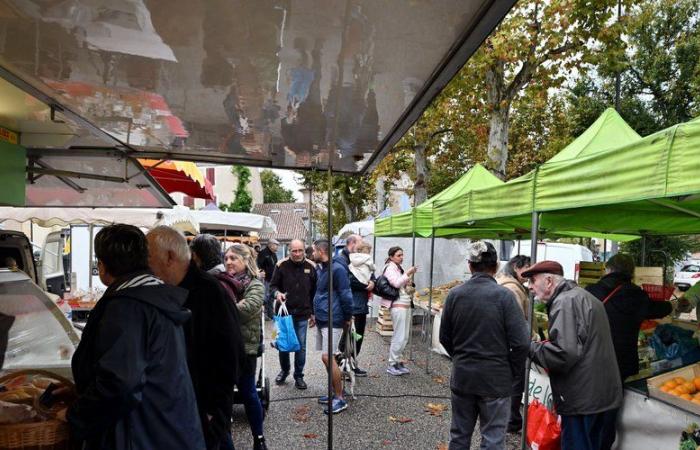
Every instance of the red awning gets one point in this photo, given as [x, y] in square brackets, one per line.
[179, 176]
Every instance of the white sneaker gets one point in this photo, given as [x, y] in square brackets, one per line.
[403, 368]
[394, 370]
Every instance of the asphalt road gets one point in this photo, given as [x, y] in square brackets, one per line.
[388, 413]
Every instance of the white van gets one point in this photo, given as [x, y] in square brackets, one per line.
[568, 255]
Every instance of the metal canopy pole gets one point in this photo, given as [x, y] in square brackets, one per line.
[413, 263]
[531, 311]
[329, 355]
[605, 249]
[90, 251]
[430, 304]
[644, 250]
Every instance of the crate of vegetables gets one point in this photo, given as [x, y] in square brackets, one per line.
[680, 387]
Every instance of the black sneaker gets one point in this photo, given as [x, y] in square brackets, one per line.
[299, 383]
[281, 377]
[359, 372]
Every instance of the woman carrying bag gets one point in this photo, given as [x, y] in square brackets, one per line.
[400, 309]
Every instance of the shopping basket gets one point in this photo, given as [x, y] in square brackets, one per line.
[657, 292]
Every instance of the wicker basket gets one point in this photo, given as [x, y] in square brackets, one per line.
[51, 434]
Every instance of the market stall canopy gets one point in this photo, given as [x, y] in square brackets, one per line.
[295, 84]
[420, 218]
[234, 221]
[180, 176]
[509, 205]
[178, 217]
[363, 228]
[646, 187]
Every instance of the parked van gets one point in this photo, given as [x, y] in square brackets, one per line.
[48, 270]
[568, 255]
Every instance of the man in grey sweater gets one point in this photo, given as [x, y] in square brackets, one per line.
[485, 333]
[580, 358]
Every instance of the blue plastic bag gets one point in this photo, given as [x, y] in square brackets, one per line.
[286, 336]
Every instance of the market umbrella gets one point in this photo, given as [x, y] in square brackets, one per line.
[179, 176]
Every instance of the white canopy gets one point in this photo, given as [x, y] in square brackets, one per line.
[363, 228]
[179, 217]
[234, 221]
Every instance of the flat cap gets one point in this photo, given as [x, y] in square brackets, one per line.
[552, 267]
[273, 241]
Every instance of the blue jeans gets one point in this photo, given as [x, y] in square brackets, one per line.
[589, 431]
[268, 301]
[251, 400]
[300, 327]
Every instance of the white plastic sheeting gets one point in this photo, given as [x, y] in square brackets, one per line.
[179, 217]
[363, 228]
[234, 221]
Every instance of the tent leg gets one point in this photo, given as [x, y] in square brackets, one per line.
[330, 308]
[430, 304]
[644, 251]
[90, 251]
[605, 249]
[410, 310]
[518, 247]
[531, 310]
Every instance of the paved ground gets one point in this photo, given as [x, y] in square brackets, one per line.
[389, 412]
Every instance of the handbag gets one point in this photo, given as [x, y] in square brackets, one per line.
[286, 340]
[384, 289]
[543, 428]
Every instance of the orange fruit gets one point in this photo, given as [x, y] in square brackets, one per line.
[687, 397]
[696, 382]
[665, 388]
[671, 384]
[675, 392]
[679, 380]
[696, 401]
[690, 386]
[682, 389]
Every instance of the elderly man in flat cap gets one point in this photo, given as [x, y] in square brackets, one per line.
[485, 333]
[579, 357]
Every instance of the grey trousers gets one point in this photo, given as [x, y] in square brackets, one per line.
[493, 414]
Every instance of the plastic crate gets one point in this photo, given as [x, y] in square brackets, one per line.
[658, 292]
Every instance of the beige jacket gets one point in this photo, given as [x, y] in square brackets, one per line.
[517, 289]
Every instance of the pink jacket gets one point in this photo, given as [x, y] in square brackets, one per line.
[398, 280]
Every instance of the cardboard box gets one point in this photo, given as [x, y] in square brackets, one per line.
[688, 372]
[648, 275]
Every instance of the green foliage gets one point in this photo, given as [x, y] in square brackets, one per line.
[273, 191]
[242, 201]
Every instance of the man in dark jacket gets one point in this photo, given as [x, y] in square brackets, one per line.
[294, 284]
[267, 261]
[485, 333]
[580, 358]
[130, 369]
[331, 318]
[360, 292]
[627, 306]
[215, 349]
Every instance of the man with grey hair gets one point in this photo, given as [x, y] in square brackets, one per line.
[579, 357]
[213, 335]
[485, 333]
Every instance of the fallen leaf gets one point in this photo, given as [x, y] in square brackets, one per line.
[301, 413]
[439, 380]
[400, 419]
[386, 442]
[435, 409]
[441, 446]
[374, 376]
[311, 435]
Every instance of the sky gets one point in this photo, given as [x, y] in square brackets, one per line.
[289, 182]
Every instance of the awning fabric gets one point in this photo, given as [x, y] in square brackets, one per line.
[234, 221]
[420, 218]
[179, 217]
[647, 186]
[180, 176]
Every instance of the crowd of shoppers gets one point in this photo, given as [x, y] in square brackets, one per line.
[188, 320]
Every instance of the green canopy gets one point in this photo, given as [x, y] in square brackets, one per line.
[647, 186]
[420, 218]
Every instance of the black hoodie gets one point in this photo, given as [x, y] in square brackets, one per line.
[627, 308]
[130, 371]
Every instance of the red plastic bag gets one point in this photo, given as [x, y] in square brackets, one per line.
[543, 428]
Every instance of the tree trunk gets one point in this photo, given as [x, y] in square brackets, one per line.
[381, 194]
[420, 192]
[349, 216]
[498, 140]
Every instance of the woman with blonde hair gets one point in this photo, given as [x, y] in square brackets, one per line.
[240, 264]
